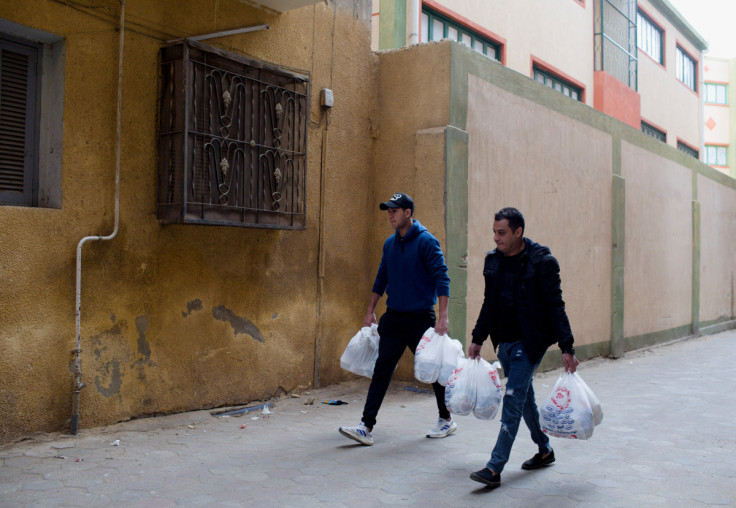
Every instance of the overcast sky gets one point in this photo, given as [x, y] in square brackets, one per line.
[714, 20]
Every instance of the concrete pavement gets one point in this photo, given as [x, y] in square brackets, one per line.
[667, 439]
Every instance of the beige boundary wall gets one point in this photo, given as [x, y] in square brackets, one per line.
[640, 229]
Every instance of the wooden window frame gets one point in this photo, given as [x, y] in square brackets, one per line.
[19, 121]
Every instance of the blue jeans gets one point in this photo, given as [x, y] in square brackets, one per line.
[518, 402]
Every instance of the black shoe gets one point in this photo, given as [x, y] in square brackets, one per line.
[539, 460]
[487, 476]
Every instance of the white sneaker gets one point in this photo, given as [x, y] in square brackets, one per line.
[360, 433]
[443, 428]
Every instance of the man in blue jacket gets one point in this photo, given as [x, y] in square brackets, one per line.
[414, 276]
[524, 313]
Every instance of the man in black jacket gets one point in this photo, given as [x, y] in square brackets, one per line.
[524, 314]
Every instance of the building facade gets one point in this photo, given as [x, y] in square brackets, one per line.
[720, 115]
[631, 60]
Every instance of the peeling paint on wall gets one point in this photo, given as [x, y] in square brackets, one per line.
[192, 306]
[239, 324]
[116, 380]
[141, 324]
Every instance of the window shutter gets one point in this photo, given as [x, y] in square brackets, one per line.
[17, 123]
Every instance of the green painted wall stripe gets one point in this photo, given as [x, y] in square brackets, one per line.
[392, 24]
[716, 326]
[695, 301]
[456, 227]
[651, 339]
[618, 244]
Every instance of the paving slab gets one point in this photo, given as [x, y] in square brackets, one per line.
[667, 439]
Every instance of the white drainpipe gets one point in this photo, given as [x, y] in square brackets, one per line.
[78, 384]
[414, 17]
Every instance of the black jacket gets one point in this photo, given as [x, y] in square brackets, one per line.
[539, 304]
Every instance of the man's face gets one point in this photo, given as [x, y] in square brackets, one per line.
[507, 242]
[398, 217]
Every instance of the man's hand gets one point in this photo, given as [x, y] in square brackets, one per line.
[442, 326]
[570, 362]
[369, 319]
[474, 350]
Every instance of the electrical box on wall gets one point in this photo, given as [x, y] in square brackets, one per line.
[326, 98]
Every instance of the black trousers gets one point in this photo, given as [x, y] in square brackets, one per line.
[398, 330]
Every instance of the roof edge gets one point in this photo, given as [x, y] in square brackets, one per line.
[677, 19]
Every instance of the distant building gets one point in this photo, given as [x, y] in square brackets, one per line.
[719, 117]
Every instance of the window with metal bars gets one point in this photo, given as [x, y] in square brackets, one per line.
[19, 102]
[692, 152]
[232, 140]
[615, 40]
[651, 130]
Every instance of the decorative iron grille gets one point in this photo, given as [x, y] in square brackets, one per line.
[692, 152]
[232, 140]
[651, 130]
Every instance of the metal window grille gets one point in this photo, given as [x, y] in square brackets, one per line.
[615, 40]
[651, 130]
[19, 98]
[687, 149]
[232, 140]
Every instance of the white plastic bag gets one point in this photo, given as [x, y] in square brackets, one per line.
[474, 386]
[428, 356]
[361, 352]
[566, 411]
[452, 352]
[460, 390]
[595, 404]
[436, 357]
[488, 394]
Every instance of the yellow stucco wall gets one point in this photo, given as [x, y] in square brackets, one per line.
[557, 171]
[717, 256]
[177, 317]
[658, 223]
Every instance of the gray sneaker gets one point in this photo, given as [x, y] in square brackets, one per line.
[443, 428]
[359, 433]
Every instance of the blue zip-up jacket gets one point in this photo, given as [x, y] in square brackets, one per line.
[412, 272]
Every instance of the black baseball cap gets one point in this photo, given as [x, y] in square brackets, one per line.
[399, 200]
